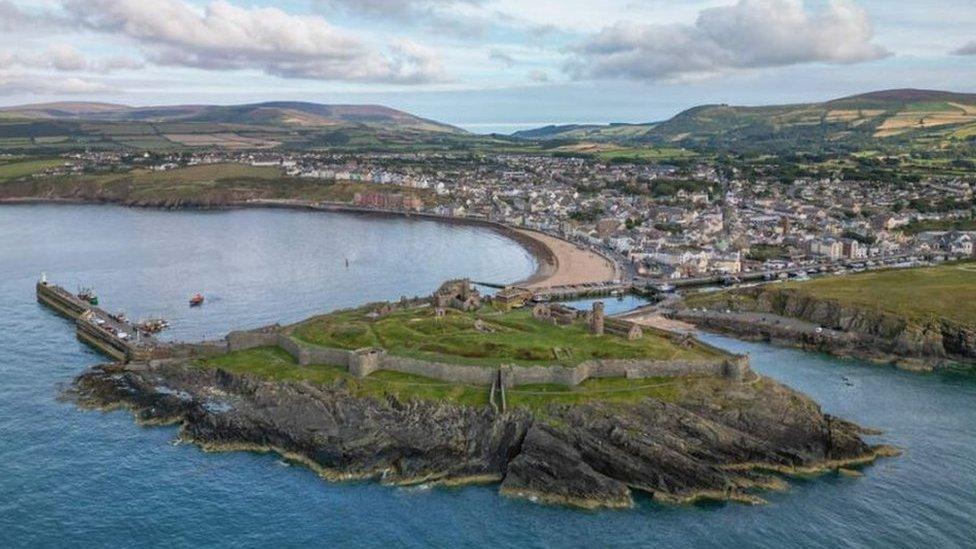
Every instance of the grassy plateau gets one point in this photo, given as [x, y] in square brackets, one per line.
[503, 338]
[943, 292]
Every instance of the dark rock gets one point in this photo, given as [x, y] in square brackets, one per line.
[586, 455]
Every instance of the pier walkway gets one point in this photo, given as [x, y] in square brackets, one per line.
[119, 340]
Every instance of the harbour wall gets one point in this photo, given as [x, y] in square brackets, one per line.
[103, 335]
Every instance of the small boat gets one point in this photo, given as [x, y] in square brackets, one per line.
[119, 317]
[88, 294]
[153, 325]
[196, 300]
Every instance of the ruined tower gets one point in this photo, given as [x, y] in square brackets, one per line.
[596, 318]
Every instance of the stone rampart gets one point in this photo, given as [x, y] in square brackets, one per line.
[326, 355]
[244, 340]
[452, 373]
[363, 362]
[298, 351]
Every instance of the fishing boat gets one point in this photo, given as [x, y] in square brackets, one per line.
[88, 294]
[196, 300]
[153, 325]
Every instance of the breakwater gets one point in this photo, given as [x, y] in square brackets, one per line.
[115, 338]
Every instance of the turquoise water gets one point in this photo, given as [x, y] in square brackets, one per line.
[70, 477]
[611, 305]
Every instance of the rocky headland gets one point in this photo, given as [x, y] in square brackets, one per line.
[715, 440]
[791, 316]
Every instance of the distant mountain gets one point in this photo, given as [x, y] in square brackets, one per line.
[59, 127]
[274, 114]
[849, 122]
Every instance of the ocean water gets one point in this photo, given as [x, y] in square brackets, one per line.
[79, 478]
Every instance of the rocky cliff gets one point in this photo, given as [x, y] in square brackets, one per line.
[868, 332]
[591, 455]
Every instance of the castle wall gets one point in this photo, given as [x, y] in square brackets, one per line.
[243, 340]
[363, 362]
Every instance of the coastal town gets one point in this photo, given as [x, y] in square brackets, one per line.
[659, 223]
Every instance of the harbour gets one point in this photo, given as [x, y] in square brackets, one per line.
[106, 333]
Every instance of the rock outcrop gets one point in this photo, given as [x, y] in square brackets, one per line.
[591, 455]
[865, 332]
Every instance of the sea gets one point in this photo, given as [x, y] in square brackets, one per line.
[76, 478]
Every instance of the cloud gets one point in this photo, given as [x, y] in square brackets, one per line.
[496, 54]
[18, 84]
[395, 8]
[65, 58]
[14, 18]
[748, 34]
[538, 76]
[226, 37]
[968, 49]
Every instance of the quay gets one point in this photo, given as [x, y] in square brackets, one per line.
[121, 341]
[574, 291]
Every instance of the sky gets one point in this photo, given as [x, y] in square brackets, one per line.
[485, 65]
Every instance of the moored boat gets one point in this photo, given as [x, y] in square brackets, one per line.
[89, 295]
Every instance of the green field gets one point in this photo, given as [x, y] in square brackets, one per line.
[946, 291]
[505, 338]
[940, 225]
[22, 168]
[211, 184]
[274, 364]
[943, 292]
[646, 154]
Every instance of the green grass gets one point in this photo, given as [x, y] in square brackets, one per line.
[923, 294]
[916, 227]
[656, 154]
[212, 183]
[275, 364]
[616, 389]
[511, 338]
[14, 170]
[763, 252]
[946, 291]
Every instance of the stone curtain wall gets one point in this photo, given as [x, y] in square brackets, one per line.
[366, 361]
[241, 341]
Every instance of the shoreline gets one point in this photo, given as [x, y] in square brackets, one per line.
[558, 261]
[525, 455]
[796, 333]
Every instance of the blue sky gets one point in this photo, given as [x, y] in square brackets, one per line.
[487, 65]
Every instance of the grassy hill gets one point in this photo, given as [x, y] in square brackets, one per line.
[499, 338]
[943, 292]
[211, 185]
[894, 117]
[275, 114]
[57, 127]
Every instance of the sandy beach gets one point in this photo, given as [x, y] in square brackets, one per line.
[568, 264]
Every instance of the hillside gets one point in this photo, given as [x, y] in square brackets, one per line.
[56, 127]
[277, 114]
[892, 117]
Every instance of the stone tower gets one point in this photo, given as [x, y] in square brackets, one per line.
[596, 319]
